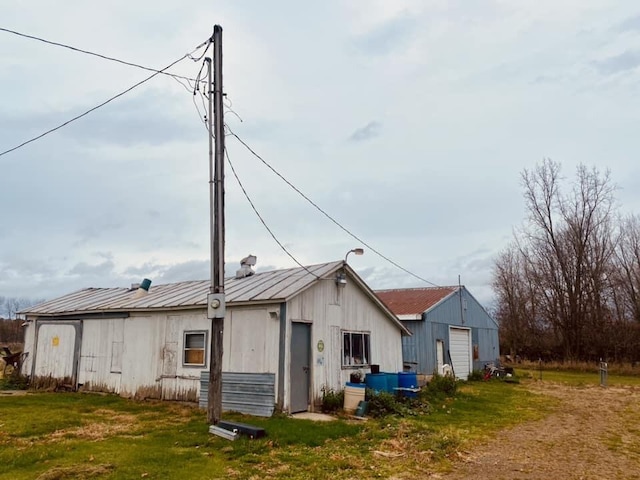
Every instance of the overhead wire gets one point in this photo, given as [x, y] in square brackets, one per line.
[244, 190]
[99, 55]
[333, 220]
[87, 112]
[262, 220]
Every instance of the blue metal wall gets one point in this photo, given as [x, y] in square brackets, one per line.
[419, 350]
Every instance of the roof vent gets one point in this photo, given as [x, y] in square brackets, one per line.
[142, 288]
[245, 266]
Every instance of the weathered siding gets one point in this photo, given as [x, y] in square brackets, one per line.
[331, 309]
[421, 347]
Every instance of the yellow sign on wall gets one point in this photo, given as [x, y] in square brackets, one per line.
[55, 341]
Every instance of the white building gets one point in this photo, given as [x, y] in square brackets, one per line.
[287, 334]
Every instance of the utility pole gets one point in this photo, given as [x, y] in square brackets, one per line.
[216, 298]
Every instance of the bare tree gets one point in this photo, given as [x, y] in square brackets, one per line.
[12, 305]
[562, 262]
[627, 260]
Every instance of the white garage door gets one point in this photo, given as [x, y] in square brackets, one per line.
[460, 348]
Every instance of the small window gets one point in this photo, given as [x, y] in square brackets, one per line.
[355, 349]
[195, 348]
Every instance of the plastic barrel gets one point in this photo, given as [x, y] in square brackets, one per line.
[408, 380]
[376, 382]
[392, 382]
[352, 397]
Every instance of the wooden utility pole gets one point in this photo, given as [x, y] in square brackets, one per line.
[216, 298]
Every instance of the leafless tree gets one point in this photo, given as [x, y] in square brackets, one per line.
[561, 260]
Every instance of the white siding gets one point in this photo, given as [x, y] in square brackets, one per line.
[251, 340]
[331, 310]
[56, 348]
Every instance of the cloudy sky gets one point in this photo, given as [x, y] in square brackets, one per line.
[409, 122]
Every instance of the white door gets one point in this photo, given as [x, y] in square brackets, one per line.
[56, 351]
[439, 355]
[460, 349]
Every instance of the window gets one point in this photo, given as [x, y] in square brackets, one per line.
[195, 348]
[355, 349]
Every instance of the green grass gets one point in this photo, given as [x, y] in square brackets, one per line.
[579, 378]
[75, 435]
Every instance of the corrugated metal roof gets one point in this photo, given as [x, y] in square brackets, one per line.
[276, 285]
[414, 301]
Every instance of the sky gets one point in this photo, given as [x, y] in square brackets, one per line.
[408, 122]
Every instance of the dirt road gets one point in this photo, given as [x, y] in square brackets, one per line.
[593, 434]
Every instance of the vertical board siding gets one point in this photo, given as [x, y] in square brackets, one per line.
[249, 393]
[332, 309]
[484, 332]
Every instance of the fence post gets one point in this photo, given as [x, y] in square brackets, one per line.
[603, 373]
[540, 366]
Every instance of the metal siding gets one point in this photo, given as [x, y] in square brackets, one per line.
[447, 312]
[244, 392]
[56, 351]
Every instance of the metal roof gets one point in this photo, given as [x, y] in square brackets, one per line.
[410, 301]
[276, 285]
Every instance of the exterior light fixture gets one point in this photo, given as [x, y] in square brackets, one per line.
[356, 251]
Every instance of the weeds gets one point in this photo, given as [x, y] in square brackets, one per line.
[332, 400]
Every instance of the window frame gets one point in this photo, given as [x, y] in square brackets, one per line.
[187, 333]
[366, 348]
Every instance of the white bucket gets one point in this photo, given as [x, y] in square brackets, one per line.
[352, 397]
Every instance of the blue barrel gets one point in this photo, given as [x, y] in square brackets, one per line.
[376, 382]
[392, 382]
[408, 380]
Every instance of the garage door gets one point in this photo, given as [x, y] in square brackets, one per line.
[460, 348]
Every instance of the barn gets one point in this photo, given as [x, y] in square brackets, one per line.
[287, 334]
[448, 326]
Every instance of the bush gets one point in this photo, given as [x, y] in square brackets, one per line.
[382, 404]
[476, 376]
[332, 401]
[14, 381]
[441, 386]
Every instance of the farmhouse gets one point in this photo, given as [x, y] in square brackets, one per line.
[449, 327]
[287, 334]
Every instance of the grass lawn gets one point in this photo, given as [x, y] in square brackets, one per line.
[75, 436]
[581, 378]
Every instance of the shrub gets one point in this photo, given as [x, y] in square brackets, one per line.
[332, 400]
[441, 386]
[14, 381]
[476, 376]
[382, 404]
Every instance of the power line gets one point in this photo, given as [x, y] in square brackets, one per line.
[105, 57]
[244, 191]
[77, 117]
[338, 224]
[264, 223]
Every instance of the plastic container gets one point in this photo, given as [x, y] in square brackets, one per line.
[352, 397]
[376, 382]
[392, 382]
[408, 380]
